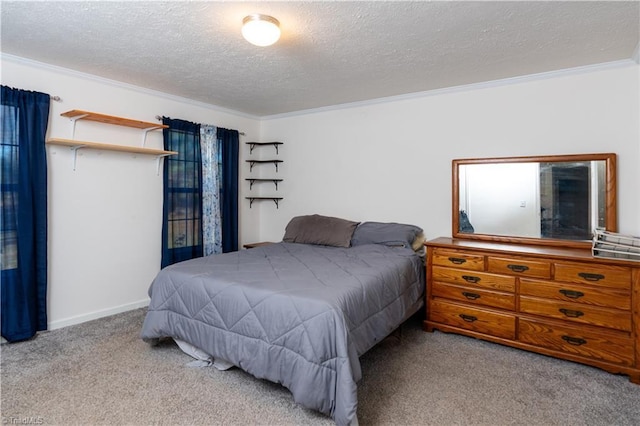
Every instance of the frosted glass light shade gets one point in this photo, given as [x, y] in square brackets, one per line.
[261, 30]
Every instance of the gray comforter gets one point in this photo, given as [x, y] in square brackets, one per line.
[295, 314]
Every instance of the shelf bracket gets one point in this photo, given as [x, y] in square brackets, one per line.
[75, 154]
[74, 120]
[158, 158]
[146, 131]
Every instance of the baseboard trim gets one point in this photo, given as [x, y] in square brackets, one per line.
[78, 319]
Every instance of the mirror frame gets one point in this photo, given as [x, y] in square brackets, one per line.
[610, 197]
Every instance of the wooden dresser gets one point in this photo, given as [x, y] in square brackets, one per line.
[561, 302]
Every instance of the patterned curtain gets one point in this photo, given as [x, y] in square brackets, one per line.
[211, 218]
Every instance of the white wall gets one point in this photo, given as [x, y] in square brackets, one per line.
[391, 161]
[387, 161]
[503, 199]
[105, 218]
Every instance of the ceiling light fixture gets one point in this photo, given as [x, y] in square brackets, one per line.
[261, 30]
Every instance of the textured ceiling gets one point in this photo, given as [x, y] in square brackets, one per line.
[329, 53]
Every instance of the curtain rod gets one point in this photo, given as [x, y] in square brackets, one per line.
[160, 118]
[55, 98]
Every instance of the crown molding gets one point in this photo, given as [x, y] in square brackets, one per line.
[464, 88]
[633, 61]
[73, 73]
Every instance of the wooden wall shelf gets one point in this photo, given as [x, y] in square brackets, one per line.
[109, 147]
[76, 115]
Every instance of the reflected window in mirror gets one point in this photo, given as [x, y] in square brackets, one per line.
[552, 200]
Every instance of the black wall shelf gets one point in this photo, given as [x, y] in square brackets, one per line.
[252, 145]
[274, 199]
[254, 162]
[254, 180]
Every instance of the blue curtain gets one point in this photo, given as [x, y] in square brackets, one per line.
[182, 205]
[229, 149]
[23, 213]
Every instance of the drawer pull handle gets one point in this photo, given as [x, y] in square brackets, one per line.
[571, 313]
[457, 260]
[471, 279]
[591, 277]
[470, 296]
[468, 318]
[518, 268]
[571, 294]
[576, 341]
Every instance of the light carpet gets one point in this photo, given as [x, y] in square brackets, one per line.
[102, 373]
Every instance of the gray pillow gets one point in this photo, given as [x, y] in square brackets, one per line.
[390, 234]
[321, 230]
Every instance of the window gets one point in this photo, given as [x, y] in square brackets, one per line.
[182, 227]
[184, 197]
[9, 188]
[183, 212]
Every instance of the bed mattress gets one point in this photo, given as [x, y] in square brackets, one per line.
[295, 314]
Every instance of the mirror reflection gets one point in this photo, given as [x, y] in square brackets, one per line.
[555, 200]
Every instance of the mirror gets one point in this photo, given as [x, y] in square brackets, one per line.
[548, 200]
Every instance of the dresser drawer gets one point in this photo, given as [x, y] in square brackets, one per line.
[600, 275]
[456, 259]
[589, 295]
[520, 267]
[474, 296]
[558, 301]
[611, 347]
[469, 318]
[603, 317]
[474, 279]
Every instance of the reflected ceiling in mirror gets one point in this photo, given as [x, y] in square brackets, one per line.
[549, 200]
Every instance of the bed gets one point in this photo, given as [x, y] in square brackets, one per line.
[299, 312]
